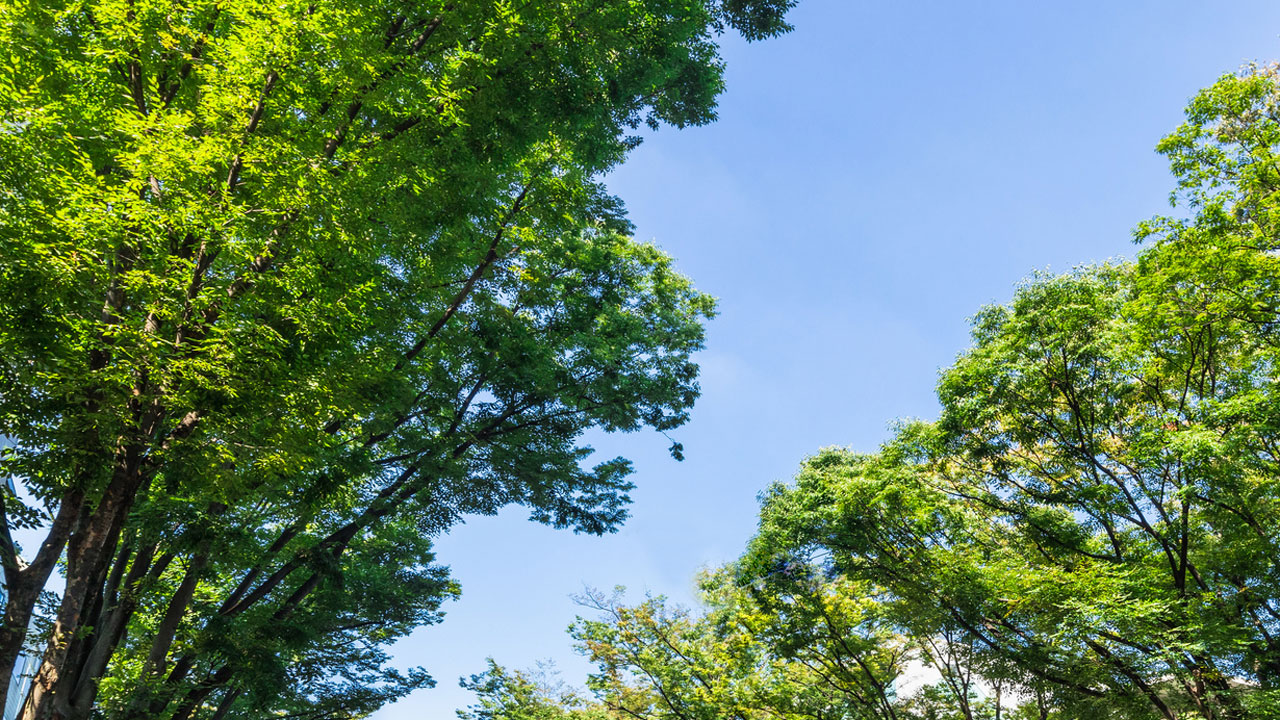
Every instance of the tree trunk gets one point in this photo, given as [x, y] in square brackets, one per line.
[110, 632]
[89, 552]
[25, 590]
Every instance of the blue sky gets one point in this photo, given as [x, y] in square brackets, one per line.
[876, 176]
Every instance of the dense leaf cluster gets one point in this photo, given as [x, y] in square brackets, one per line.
[288, 288]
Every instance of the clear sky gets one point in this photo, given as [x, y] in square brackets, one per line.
[876, 176]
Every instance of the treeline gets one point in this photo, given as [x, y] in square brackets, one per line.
[1090, 529]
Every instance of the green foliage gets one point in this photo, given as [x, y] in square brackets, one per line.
[288, 288]
[764, 650]
[1096, 508]
[514, 695]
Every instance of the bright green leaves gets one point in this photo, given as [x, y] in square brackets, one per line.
[1080, 510]
[514, 695]
[314, 280]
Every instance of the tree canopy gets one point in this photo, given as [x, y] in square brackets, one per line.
[286, 289]
[1096, 508]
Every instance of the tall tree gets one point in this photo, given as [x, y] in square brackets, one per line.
[286, 289]
[1096, 511]
[1090, 530]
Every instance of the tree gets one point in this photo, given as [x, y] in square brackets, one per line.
[286, 289]
[515, 695]
[1096, 511]
[802, 648]
[661, 662]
